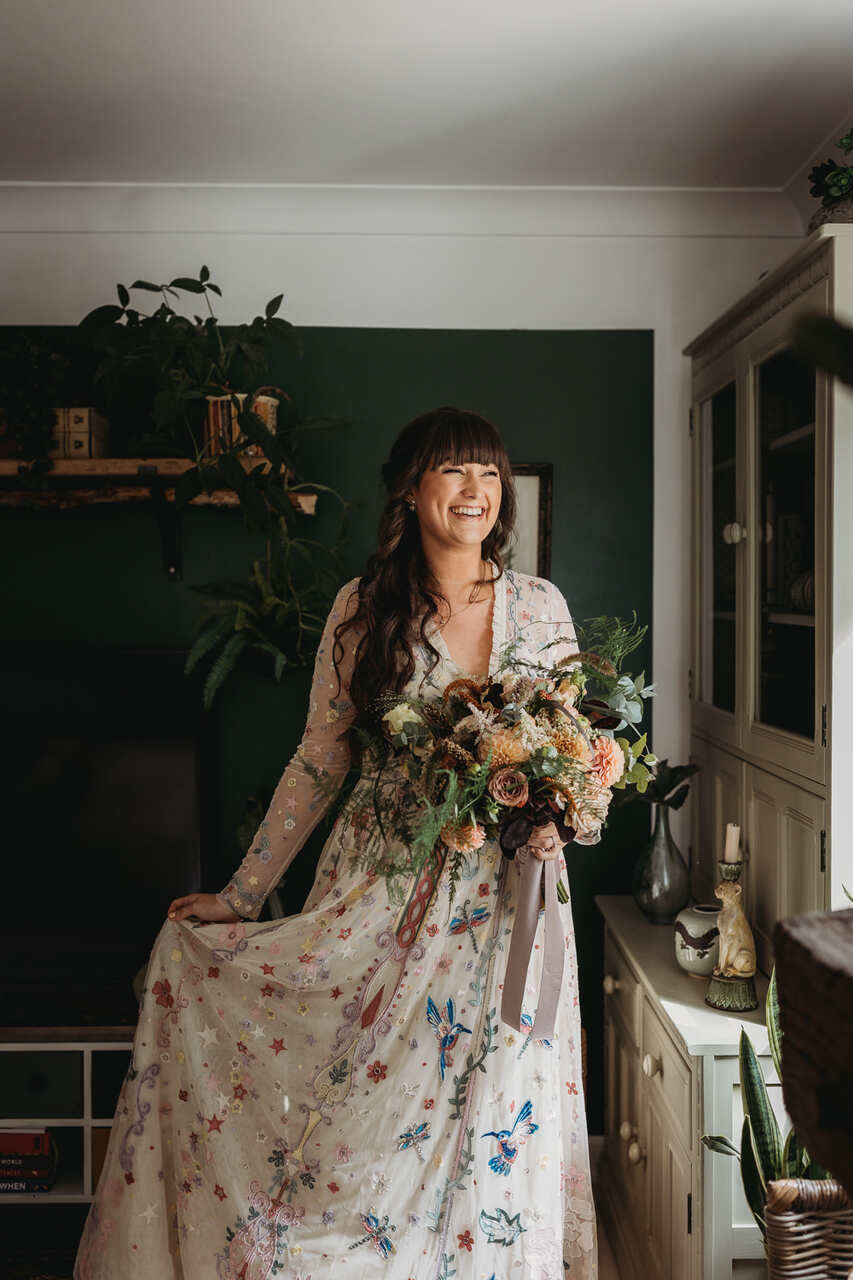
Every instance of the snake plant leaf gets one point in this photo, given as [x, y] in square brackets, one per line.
[721, 1144]
[754, 1187]
[815, 1170]
[223, 666]
[214, 630]
[774, 1026]
[795, 1158]
[764, 1127]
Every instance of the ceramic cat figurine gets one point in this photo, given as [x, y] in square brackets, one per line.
[737, 945]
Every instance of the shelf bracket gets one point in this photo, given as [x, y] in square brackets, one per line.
[168, 519]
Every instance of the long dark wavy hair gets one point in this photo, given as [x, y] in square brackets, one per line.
[397, 589]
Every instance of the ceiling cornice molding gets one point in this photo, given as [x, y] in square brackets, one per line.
[311, 210]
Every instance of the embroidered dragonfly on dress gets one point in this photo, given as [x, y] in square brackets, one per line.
[377, 1232]
[527, 1025]
[466, 923]
[414, 1137]
[507, 1152]
[447, 1030]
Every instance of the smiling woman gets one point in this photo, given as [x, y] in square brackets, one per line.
[337, 1080]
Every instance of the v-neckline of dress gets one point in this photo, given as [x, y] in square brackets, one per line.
[498, 627]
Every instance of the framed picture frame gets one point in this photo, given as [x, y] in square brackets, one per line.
[531, 550]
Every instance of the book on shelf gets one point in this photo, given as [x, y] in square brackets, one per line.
[22, 1184]
[23, 1142]
[23, 1164]
[29, 1160]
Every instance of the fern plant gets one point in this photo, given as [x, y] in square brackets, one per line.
[279, 612]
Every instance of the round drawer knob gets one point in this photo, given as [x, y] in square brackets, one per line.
[734, 533]
[636, 1154]
[610, 984]
[651, 1065]
[627, 1130]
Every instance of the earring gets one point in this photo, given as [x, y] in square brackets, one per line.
[410, 504]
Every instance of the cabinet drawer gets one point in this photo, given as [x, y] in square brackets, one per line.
[671, 1081]
[625, 996]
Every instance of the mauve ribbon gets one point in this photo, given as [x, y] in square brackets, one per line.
[531, 877]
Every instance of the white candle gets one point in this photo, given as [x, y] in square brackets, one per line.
[731, 853]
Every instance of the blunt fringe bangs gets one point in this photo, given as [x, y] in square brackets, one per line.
[397, 597]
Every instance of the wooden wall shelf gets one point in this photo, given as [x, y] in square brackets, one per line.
[125, 475]
[116, 480]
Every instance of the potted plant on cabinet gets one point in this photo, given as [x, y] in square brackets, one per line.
[833, 183]
[764, 1155]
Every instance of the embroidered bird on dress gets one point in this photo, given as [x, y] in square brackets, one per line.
[447, 1030]
[508, 1144]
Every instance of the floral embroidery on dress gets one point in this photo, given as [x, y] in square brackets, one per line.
[332, 1092]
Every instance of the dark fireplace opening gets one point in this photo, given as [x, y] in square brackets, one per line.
[108, 804]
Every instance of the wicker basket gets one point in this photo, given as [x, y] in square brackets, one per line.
[809, 1230]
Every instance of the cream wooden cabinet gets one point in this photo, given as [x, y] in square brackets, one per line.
[771, 665]
[672, 1209]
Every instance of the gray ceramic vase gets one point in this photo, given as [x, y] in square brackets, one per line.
[661, 880]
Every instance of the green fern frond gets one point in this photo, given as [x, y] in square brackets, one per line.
[214, 630]
[223, 666]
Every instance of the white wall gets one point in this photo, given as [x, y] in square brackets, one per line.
[434, 258]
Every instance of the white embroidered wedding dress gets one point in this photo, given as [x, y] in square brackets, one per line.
[334, 1094]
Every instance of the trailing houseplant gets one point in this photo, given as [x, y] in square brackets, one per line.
[156, 369]
[764, 1155]
[160, 368]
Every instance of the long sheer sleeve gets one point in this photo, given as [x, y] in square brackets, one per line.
[300, 799]
[562, 625]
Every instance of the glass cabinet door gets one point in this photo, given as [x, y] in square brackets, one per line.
[719, 537]
[784, 649]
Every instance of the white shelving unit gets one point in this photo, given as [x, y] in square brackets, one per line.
[84, 1044]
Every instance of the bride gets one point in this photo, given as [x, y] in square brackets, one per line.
[333, 1094]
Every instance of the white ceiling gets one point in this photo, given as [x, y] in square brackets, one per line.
[649, 93]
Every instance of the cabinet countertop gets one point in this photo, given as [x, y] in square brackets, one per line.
[650, 948]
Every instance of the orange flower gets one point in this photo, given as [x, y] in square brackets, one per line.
[507, 748]
[607, 760]
[464, 839]
[463, 688]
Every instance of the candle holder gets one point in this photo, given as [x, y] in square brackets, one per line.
[731, 987]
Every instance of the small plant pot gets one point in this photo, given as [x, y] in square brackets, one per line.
[841, 211]
[222, 429]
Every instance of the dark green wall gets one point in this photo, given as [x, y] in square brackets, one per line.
[582, 400]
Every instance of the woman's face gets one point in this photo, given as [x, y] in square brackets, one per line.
[457, 504]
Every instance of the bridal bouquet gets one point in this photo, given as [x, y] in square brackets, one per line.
[494, 758]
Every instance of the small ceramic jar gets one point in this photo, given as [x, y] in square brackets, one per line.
[697, 939]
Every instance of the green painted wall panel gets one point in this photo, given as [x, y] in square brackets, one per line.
[582, 400]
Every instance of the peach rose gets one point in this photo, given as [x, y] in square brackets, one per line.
[464, 839]
[508, 786]
[607, 760]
